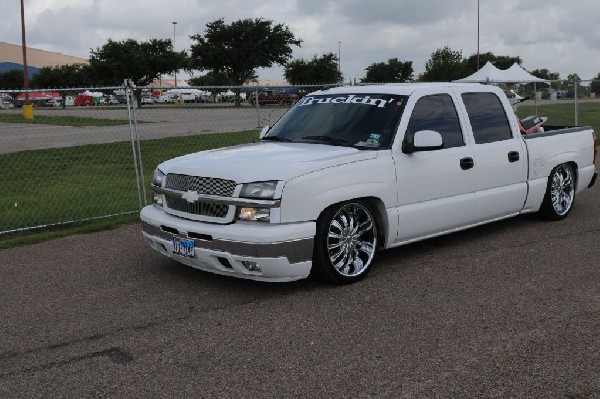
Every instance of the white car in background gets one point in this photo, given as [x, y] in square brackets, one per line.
[147, 100]
[5, 104]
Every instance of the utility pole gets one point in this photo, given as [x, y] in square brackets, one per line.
[27, 108]
[174, 25]
[340, 57]
[24, 46]
[478, 35]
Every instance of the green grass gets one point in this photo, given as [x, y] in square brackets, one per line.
[76, 121]
[564, 114]
[53, 186]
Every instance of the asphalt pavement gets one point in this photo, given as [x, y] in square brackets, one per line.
[153, 123]
[510, 309]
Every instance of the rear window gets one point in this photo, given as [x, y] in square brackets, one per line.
[487, 117]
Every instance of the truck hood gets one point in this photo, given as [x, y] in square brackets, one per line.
[263, 161]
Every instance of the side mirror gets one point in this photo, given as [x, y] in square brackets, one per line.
[264, 131]
[423, 140]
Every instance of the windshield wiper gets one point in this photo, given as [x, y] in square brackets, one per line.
[328, 139]
[276, 138]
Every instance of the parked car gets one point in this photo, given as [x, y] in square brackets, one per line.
[83, 100]
[54, 103]
[5, 104]
[147, 100]
[204, 99]
[166, 98]
[351, 170]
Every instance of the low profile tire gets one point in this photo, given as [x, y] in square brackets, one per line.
[560, 193]
[345, 242]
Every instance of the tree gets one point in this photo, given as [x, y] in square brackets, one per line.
[239, 49]
[445, 65]
[595, 85]
[499, 61]
[569, 85]
[394, 71]
[545, 74]
[324, 69]
[73, 75]
[11, 79]
[141, 62]
[212, 79]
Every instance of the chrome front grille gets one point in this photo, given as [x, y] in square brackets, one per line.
[202, 185]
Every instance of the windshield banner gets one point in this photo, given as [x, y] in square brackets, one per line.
[347, 99]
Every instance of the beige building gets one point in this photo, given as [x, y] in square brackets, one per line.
[12, 53]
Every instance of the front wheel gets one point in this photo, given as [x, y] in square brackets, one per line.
[560, 193]
[345, 242]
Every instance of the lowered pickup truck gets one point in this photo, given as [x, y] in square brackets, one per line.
[351, 170]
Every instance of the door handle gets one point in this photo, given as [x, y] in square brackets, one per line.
[513, 156]
[466, 163]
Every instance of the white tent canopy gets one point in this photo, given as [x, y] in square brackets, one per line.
[518, 74]
[490, 74]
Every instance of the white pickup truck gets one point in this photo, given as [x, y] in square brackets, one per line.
[351, 170]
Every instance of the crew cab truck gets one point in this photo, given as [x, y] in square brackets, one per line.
[352, 170]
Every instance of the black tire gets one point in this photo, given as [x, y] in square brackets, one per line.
[345, 243]
[560, 193]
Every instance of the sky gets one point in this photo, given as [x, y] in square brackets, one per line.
[560, 36]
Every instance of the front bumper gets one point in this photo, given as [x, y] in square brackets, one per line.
[283, 252]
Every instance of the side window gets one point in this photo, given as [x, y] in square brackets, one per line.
[437, 113]
[487, 117]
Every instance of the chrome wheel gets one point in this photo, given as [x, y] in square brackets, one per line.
[351, 239]
[562, 190]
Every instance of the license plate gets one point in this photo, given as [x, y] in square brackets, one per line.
[183, 247]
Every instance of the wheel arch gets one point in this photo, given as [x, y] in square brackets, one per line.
[575, 172]
[377, 207]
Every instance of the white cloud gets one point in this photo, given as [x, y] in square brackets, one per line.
[552, 34]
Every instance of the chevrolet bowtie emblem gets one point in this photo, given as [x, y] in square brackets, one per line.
[191, 196]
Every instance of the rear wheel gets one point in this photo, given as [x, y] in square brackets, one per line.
[345, 242]
[560, 193]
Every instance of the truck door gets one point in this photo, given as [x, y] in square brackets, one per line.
[500, 159]
[436, 189]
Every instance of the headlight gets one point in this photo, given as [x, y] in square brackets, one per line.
[259, 190]
[158, 177]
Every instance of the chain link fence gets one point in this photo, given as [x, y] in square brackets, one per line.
[89, 153]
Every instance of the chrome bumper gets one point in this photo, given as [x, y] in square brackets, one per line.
[281, 252]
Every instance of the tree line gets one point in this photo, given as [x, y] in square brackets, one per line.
[230, 55]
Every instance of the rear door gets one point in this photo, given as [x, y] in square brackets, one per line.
[500, 158]
[436, 189]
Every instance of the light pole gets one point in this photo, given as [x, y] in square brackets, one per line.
[24, 45]
[339, 57]
[478, 35]
[27, 108]
[174, 25]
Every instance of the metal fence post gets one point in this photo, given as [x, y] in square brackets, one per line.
[129, 87]
[575, 101]
[257, 110]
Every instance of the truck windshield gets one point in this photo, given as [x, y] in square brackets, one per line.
[365, 121]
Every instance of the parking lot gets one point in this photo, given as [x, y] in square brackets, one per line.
[153, 123]
[511, 309]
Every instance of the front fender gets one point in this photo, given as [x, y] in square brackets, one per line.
[306, 196]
